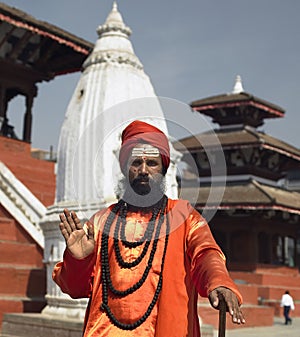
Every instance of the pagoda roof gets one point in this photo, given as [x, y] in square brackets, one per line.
[249, 195]
[38, 46]
[229, 100]
[230, 138]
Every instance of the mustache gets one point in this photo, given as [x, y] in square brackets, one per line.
[141, 194]
[142, 179]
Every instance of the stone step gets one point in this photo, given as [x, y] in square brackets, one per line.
[276, 270]
[270, 284]
[278, 311]
[255, 316]
[20, 280]
[290, 278]
[15, 304]
[38, 325]
[275, 292]
[20, 253]
[256, 294]
[248, 291]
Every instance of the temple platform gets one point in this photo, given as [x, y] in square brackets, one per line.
[40, 325]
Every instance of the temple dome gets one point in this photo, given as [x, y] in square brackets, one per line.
[112, 91]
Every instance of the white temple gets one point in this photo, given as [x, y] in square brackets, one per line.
[113, 90]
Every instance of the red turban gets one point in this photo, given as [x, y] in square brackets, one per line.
[139, 132]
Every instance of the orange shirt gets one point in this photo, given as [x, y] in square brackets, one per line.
[193, 264]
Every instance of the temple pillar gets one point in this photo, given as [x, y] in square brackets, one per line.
[270, 248]
[3, 105]
[28, 117]
[228, 243]
[253, 246]
[2, 101]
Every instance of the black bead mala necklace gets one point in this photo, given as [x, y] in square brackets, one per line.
[120, 210]
[121, 223]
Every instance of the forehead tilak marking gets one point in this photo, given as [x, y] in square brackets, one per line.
[145, 152]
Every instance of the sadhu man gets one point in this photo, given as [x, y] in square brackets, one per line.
[143, 261]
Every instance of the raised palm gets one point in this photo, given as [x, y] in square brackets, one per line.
[79, 242]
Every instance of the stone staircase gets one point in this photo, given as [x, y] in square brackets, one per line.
[271, 283]
[261, 290]
[22, 274]
[27, 186]
[37, 175]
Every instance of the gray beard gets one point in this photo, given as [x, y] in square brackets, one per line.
[147, 200]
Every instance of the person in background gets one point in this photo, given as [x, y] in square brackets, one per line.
[143, 261]
[288, 304]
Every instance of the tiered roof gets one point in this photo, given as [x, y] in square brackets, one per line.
[255, 161]
[237, 107]
[38, 46]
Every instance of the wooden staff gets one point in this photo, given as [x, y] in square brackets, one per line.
[222, 318]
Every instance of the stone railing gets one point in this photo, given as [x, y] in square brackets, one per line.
[22, 204]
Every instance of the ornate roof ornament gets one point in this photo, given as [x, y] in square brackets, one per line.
[113, 45]
[238, 86]
[112, 90]
[114, 24]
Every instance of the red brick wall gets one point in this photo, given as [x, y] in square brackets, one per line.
[22, 272]
[37, 175]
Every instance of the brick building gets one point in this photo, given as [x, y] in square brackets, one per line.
[31, 51]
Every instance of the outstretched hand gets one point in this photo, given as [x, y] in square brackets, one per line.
[79, 243]
[232, 304]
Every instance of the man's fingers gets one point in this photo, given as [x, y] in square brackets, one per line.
[234, 309]
[230, 304]
[64, 231]
[64, 223]
[238, 317]
[69, 217]
[214, 298]
[226, 295]
[70, 220]
[76, 221]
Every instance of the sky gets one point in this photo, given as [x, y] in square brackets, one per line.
[190, 50]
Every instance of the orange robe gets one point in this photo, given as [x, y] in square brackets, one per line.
[193, 264]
